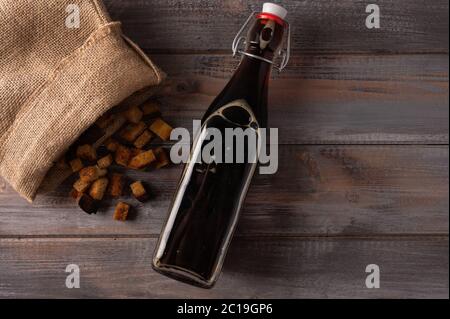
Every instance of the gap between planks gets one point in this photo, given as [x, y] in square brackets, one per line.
[297, 53]
[365, 143]
[305, 237]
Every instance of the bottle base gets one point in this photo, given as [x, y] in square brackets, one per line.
[183, 275]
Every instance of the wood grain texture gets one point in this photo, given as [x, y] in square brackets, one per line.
[255, 268]
[426, 68]
[318, 190]
[338, 202]
[318, 26]
[330, 99]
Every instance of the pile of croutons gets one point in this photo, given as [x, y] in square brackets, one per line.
[129, 146]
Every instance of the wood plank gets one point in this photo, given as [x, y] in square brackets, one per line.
[318, 26]
[354, 99]
[335, 112]
[255, 268]
[324, 190]
[427, 68]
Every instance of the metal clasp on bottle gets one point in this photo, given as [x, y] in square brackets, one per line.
[284, 52]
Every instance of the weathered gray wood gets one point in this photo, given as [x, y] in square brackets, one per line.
[310, 230]
[325, 190]
[336, 112]
[318, 26]
[255, 268]
[424, 68]
[330, 99]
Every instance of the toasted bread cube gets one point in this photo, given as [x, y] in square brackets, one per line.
[88, 204]
[161, 128]
[104, 121]
[121, 212]
[132, 131]
[89, 174]
[87, 152]
[135, 152]
[133, 114]
[123, 155]
[81, 186]
[116, 185]
[150, 108]
[98, 188]
[112, 145]
[142, 160]
[161, 157]
[61, 162]
[105, 162]
[75, 194]
[144, 139]
[76, 165]
[139, 192]
[101, 171]
[92, 173]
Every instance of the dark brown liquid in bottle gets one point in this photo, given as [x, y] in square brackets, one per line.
[206, 207]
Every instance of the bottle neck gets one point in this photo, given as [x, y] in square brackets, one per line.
[251, 79]
[255, 84]
[256, 71]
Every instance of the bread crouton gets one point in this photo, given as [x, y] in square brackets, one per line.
[112, 145]
[116, 185]
[61, 162]
[81, 186]
[123, 155]
[162, 159]
[122, 211]
[133, 114]
[143, 139]
[104, 120]
[136, 151]
[92, 173]
[105, 162]
[151, 108]
[142, 160]
[132, 131]
[139, 191]
[75, 194]
[88, 204]
[161, 128]
[98, 188]
[87, 152]
[76, 165]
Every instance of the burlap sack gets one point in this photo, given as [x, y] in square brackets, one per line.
[55, 81]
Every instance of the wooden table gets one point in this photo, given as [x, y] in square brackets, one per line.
[363, 177]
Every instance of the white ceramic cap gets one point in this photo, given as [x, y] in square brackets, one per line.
[274, 9]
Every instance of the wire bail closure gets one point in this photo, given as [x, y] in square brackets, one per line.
[284, 53]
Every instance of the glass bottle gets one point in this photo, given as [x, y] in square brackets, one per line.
[204, 212]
